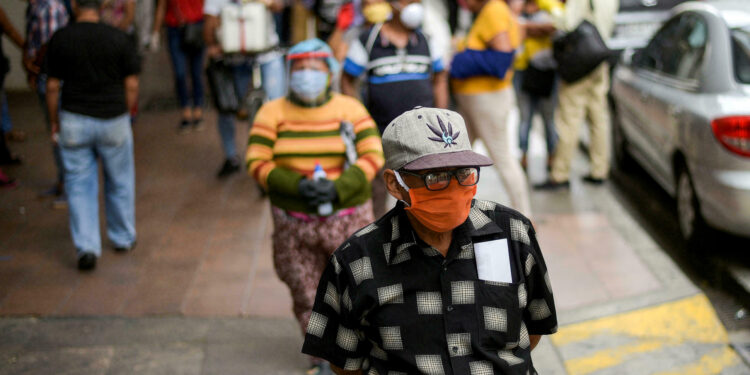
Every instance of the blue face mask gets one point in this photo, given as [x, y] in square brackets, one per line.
[308, 84]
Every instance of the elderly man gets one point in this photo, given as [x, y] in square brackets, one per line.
[443, 283]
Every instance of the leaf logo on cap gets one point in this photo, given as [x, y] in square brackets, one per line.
[445, 134]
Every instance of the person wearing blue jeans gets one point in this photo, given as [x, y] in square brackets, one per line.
[89, 117]
[272, 73]
[84, 139]
[186, 62]
[528, 105]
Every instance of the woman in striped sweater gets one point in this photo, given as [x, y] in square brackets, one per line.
[290, 136]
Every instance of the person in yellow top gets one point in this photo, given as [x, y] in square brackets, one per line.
[481, 77]
[315, 152]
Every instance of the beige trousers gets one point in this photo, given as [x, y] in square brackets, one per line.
[585, 99]
[486, 117]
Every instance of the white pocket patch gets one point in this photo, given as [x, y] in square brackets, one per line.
[493, 261]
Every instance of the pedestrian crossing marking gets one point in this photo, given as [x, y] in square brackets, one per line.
[712, 363]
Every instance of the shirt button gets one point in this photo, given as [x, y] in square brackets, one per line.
[449, 308]
[445, 269]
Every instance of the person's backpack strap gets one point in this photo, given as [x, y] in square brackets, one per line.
[374, 31]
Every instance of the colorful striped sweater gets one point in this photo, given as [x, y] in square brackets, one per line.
[286, 141]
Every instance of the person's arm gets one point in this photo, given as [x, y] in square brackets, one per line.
[440, 89]
[534, 340]
[369, 153]
[500, 42]
[131, 90]
[161, 11]
[210, 24]
[127, 20]
[340, 371]
[539, 29]
[53, 100]
[275, 6]
[11, 31]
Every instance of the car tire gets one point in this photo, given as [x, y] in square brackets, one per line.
[622, 159]
[693, 228]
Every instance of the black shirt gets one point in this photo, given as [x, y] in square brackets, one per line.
[387, 301]
[397, 79]
[92, 60]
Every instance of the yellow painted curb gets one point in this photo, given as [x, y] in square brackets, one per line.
[689, 320]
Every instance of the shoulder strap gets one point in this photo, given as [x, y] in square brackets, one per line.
[374, 31]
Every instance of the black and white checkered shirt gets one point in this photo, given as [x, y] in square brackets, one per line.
[390, 304]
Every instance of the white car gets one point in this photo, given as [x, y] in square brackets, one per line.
[681, 109]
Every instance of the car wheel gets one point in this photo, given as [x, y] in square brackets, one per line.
[623, 160]
[692, 226]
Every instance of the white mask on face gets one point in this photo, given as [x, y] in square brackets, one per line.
[412, 15]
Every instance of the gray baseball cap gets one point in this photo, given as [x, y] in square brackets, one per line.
[428, 138]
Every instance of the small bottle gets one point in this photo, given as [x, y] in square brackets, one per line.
[324, 209]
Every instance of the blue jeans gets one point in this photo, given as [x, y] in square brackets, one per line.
[181, 61]
[83, 140]
[272, 73]
[528, 105]
[41, 91]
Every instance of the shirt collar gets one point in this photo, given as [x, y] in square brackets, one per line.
[402, 236]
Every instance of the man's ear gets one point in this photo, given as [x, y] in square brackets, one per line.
[393, 186]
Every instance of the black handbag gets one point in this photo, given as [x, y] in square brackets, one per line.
[192, 37]
[538, 82]
[580, 51]
[223, 90]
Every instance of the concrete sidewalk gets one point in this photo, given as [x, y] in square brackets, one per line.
[199, 294]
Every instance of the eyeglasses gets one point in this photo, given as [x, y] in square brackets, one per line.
[434, 181]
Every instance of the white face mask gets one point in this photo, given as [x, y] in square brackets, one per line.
[412, 15]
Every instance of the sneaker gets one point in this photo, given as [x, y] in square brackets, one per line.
[125, 249]
[184, 127]
[87, 261]
[552, 185]
[229, 167]
[593, 180]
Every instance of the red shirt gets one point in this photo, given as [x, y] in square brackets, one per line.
[183, 11]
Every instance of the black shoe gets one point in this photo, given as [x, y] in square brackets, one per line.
[593, 180]
[552, 185]
[230, 166]
[184, 126]
[86, 262]
[125, 249]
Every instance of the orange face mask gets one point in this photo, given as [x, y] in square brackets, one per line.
[441, 210]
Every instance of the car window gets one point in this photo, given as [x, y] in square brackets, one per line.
[652, 57]
[741, 54]
[678, 48]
